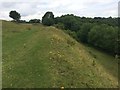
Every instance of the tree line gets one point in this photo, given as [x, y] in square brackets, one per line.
[99, 32]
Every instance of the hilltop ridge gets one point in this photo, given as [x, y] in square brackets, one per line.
[37, 56]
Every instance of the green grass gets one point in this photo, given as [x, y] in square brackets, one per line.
[107, 61]
[36, 56]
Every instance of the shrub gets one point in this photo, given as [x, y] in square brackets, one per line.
[59, 26]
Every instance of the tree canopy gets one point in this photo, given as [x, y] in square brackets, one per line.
[48, 19]
[15, 15]
[34, 21]
[98, 31]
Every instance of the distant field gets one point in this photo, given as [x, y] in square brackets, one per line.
[36, 56]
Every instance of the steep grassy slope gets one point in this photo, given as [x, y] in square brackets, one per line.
[35, 56]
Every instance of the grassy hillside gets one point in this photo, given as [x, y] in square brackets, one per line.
[36, 56]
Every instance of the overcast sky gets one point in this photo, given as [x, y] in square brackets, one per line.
[36, 9]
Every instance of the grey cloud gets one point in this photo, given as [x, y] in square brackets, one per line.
[58, 7]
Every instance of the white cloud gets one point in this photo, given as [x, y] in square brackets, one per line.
[36, 9]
